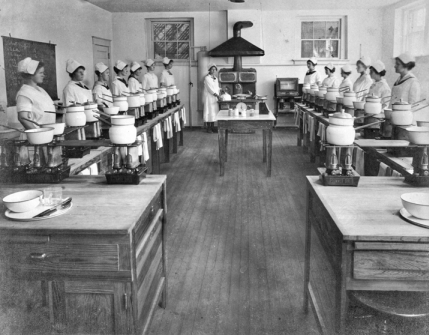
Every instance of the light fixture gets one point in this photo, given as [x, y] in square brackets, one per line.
[236, 1]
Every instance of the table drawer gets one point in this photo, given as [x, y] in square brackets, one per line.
[148, 216]
[391, 261]
[59, 257]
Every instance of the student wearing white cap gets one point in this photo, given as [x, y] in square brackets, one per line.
[150, 79]
[346, 71]
[167, 77]
[210, 97]
[101, 90]
[76, 90]
[330, 80]
[134, 84]
[120, 85]
[312, 76]
[364, 82]
[379, 88]
[31, 100]
[407, 87]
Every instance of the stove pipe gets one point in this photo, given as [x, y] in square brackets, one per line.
[238, 62]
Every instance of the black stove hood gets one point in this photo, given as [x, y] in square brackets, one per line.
[237, 46]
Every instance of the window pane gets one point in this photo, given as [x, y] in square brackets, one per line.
[307, 30]
[158, 32]
[320, 49]
[319, 30]
[183, 32]
[170, 32]
[332, 30]
[171, 50]
[333, 46]
[183, 50]
[306, 49]
[159, 50]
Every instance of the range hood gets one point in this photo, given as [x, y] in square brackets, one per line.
[237, 46]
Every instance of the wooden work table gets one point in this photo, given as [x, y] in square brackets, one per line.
[106, 255]
[366, 243]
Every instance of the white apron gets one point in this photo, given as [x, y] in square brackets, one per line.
[150, 80]
[119, 86]
[346, 83]
[312, 78]
[407, 89]
[331, 82]
[76, 91]
[363, 83]
[167, 78]
[211, 106]
[134, 85]
[381, 89]
[35, 101]
[100, 90]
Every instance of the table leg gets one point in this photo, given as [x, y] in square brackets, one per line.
[307, 253]
[300, 131]
[341, 299]
[182, 125]
[155, 158]
[226, 145]
[57, 305]
[174, 141]
[166, 147]
[264, 145]
[221, 137]
[269, 150]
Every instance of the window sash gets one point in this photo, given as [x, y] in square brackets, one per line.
[339, 21]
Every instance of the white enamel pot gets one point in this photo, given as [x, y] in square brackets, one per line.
[91, 113]
[154, 94]
[111, 110]
[122, 120]
[349, 98]
[58, 127]
[340, 135]
[332, 93]
[121, 102]
[74, 109]
[142, 99]
[75, 119]
[40, 136]
[418, 135]
[170, 90]
[373, 105]
[359, 104]
[401, 117]
[125, 134]
[148, 97]
[133, 101]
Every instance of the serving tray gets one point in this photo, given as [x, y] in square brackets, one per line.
[28, 216]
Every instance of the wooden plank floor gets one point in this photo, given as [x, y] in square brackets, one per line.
[235, 244]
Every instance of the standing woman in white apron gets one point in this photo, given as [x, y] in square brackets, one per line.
[407, 87]
[134, 84]
[76, 91]
[150, 79]
[211, 95]
[120, 85]
[364, 82]
[31, 100]
[312, 76]
[101, 89]
[167, 77]
[379, 88]
[346, 71]
[330, 80]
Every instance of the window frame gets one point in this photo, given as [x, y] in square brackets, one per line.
[342, 51]
[150, 40]
[405, 11]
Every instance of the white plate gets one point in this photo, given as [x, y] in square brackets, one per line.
[28, 216]
[412, 219]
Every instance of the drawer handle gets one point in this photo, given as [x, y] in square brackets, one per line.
[38, 256]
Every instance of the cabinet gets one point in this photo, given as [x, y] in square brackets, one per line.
[102, 264]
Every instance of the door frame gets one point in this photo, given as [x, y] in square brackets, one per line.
[107, 43]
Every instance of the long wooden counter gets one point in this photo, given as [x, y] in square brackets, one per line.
[102, 264]
[367, 245]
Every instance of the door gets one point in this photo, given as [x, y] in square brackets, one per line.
[101, 50]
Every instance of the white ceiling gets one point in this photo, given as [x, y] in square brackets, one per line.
[216, 5]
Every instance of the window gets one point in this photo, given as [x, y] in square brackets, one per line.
[170, 39]
[321, 39]
[414, 26]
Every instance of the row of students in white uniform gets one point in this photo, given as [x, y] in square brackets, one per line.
[371, 79]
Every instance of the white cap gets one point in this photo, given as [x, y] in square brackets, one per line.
[347, 68]
[330, 66]
[101, 67]
[313, 60]
[167, 60]
[28, 65]
[379, 66]
[211, 65]
[135, 66]
[365, 61]
[120, 65]
[406, 57]
[149, 62]
[72, 65]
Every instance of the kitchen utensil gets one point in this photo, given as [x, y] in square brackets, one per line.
[58, 127]
[91, 114]
[60, 203]
[332, 93]
[111, 110]
[148, 97]
[76, 118]
[418, 102]
[423, 123]
[40, 135]
[418, 135]
[123, 134]
[417, 204]
[52, 196]
[142, 98]
[121, 102]
[23, 201]
[122, 120]
[339, 100]
[133, 101]
[359, 104]
[373, 104]
[28, 216]
[241, 106]
[349, 98]
[104, 121]
[153, 92]
[106, 99]
[8, 127]
[412, 219]
[344, 89]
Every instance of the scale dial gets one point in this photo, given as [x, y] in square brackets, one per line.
[241, 106]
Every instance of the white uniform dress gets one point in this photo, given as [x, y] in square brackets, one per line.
[312, 77]
[382, 90]
[211, 107]
[134, 85]
[331, 81]
[362, 85]
[35, 101]
[167, 78]
[150, 80]
[102, 90]
[407, 89]
[119, 86]
[76, 91]
[347, 83]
